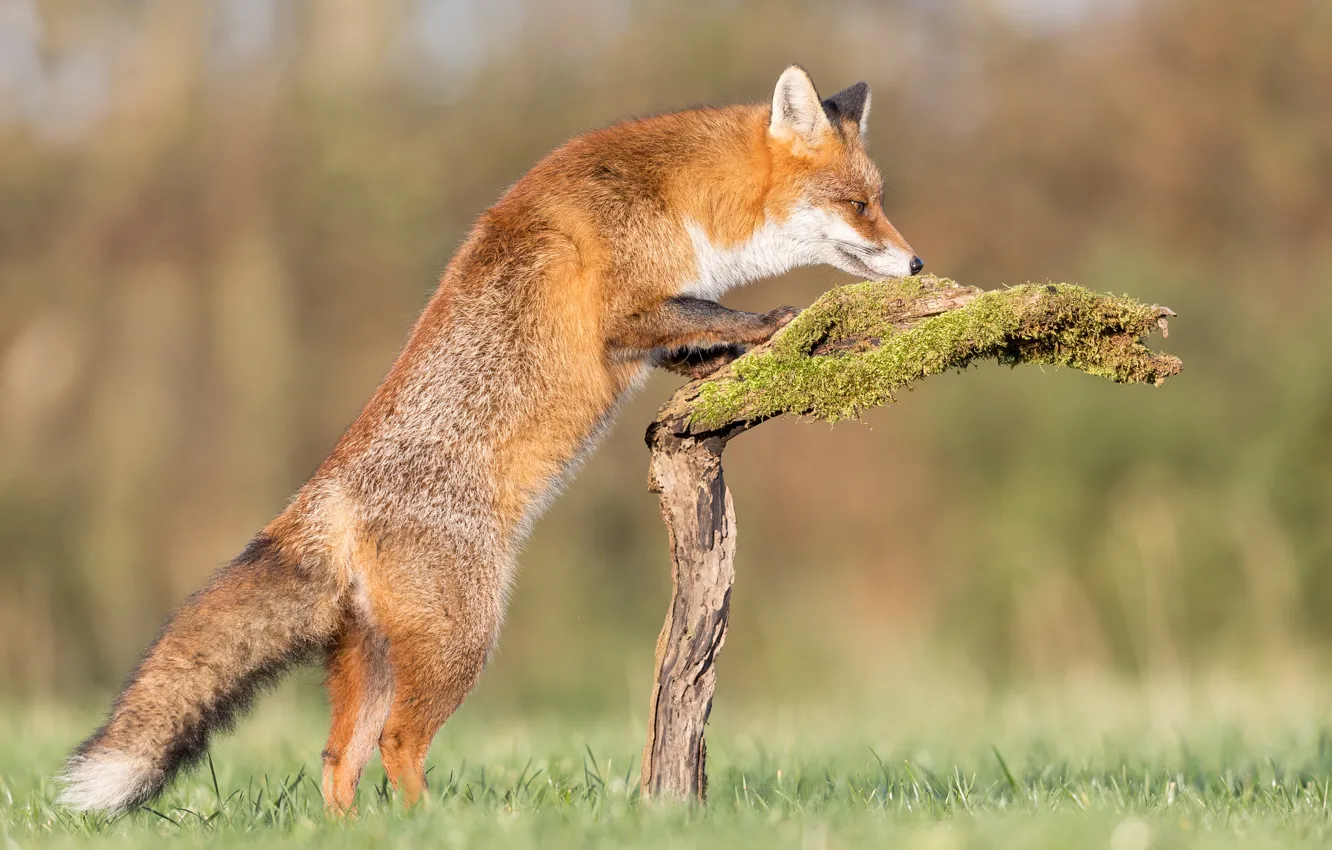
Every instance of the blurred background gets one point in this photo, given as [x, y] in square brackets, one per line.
[218, 219]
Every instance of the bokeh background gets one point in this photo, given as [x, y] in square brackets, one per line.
[218, 218]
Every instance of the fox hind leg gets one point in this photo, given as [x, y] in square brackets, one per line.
[360, 690]
[434, 668]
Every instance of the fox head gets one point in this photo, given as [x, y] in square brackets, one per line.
[827, 195]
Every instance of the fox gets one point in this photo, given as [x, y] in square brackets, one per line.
[392, 565]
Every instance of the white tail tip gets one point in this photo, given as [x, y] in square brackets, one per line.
[105, 781]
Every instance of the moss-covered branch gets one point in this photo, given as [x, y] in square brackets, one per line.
[853, 349]
[858, 345]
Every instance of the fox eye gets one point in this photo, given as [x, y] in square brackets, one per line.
[860, 207]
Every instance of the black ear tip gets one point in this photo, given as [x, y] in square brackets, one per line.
[849, 102]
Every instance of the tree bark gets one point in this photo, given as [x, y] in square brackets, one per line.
[1044, 324]
[696, 506]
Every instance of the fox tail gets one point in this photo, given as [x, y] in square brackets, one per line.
[268, 608]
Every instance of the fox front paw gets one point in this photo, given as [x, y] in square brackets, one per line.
[779, 318]
[701, 362]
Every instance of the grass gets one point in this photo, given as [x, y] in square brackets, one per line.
[1083, 764]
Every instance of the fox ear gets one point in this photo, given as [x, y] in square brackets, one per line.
[850, 104]
[796, 108]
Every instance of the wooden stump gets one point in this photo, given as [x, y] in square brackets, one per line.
[843, 330]
[700, 519]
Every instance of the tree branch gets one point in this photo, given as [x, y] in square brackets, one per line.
[853, 349]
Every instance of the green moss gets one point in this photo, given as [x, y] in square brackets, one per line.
[868, 360]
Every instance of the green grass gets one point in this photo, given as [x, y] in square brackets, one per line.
[1078, 765]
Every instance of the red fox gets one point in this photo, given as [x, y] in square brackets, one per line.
[394, 562]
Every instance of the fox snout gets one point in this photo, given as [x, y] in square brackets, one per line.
[894, 259]
[889, 254]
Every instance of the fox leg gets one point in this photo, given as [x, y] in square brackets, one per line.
[436, 653]
[700, 362]
[359, 685]
[691, 323]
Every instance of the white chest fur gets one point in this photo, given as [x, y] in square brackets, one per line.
[774, 248]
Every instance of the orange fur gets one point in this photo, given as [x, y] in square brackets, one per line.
[395, 559]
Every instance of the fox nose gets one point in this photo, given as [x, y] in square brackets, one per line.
[916, 265]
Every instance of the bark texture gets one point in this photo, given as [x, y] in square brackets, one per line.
[696, 506]
[854, 348]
